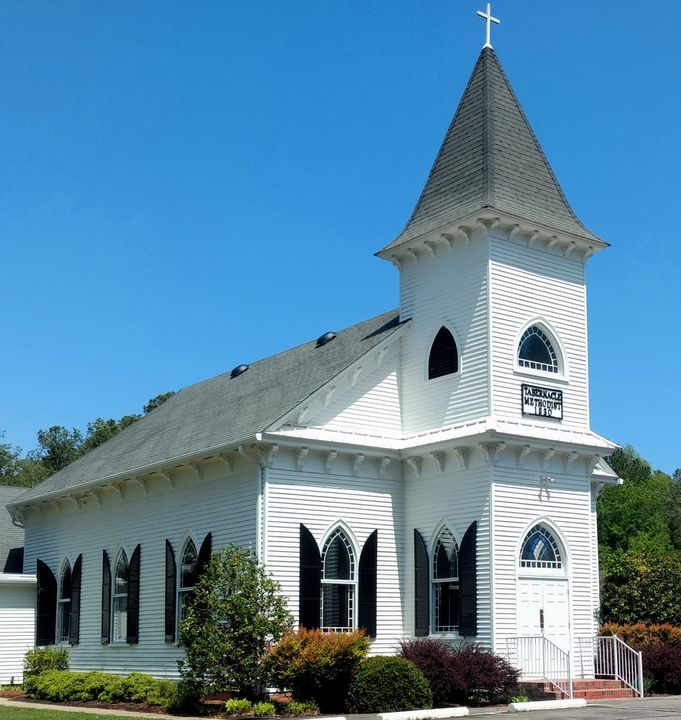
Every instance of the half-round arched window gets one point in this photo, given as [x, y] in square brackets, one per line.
[446, 582]
[444, 355]
[339, 581]
[64, 604]
[119, 599]
[536, 351]
[189, 570]
[540, 550]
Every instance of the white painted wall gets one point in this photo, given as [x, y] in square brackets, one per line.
[224, 505]
[527, 283]
[17, 624]
[448, 289]
[456, 497]
[320, 499]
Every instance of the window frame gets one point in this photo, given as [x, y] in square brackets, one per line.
[561, 375]
[525, 569]
[443, 630]
[118, 599]
[184, 591]
[64, 606]
[447, 376]
[351, 583]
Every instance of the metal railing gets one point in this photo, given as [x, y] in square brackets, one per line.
[606, 656]
[538, 658]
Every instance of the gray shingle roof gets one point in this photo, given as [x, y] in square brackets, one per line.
[490, 158]
[11, 537]
[223, 410]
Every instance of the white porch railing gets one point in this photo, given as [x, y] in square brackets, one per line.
[538, 658]
[606, 656]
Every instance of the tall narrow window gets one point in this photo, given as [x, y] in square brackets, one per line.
[536, 352]
[339, 582]
[64, 605]
[119, 600]
[444, 356]
[540, 550]
[446, 583]
[189, 570]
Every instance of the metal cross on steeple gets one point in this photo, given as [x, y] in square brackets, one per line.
[489, 20]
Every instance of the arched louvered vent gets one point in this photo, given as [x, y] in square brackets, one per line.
[444, 355]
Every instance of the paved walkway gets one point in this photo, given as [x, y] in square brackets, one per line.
[655, 708]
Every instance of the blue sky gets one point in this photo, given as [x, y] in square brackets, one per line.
[188, 186]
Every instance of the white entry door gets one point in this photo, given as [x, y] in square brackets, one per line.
[544, 609]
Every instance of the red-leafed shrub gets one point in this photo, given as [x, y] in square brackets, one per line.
[640, 635]
[662, 663]
[465, 675]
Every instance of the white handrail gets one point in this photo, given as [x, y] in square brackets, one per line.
[537, 657]
[608, 656]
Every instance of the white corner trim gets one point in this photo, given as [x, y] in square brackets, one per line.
[425, 714]
[546, 705]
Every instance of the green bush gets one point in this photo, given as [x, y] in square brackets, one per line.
[186, 698]
[236, 706]
[66, 686]
[317, 666]
[264, 709]
[48, 658]
[388, 684]
[298, 708]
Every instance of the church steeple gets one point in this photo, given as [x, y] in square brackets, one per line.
[491, 160]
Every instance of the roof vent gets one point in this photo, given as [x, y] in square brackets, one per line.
[325, 338]
[238, 370]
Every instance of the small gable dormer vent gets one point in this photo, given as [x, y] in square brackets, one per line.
[444, 355]
[327, 337]
[238, 370]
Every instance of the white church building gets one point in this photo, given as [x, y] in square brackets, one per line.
[427, 472]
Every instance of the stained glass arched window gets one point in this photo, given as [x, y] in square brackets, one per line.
[119, 599]
[536, 351]
[339, 580]
[540, 550]
[189, 568]
[64, 604]
[446, 582]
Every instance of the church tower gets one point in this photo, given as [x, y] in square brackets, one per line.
[493, 386]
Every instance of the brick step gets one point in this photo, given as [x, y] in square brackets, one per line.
[603, 694]
[596, 684]
[597, 689]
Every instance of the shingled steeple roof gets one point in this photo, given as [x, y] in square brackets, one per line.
[491, 159]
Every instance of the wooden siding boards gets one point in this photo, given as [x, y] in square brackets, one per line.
[518, 505]
[526, 284]
[455, 498]
[17, 628]
[320, 501]
[223, 505]
[449, 289]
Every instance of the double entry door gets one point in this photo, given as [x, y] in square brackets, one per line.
[544, 610]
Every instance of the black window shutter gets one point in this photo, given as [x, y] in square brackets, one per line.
[106, 599]
[204, 554]
[421, 586]
[76, 579]
[468, 583]
[46, 605]
[134, 598]
[310, 579]
[367, 585]
[171, 592]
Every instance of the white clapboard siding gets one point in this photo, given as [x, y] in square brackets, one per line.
[372, 406]
[321, 500]
[518, 504]
[449, 289]
[525, 284]
[17, 627]
[455, 497]
[222, 504]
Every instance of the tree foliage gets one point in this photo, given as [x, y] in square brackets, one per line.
[58, 446]
[235, 611]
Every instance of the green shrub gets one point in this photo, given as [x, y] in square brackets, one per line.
[264, 709]
[299, 708]
[116, 690]
[144, 688]
[235, 706]
[317, 666]
[186, 698]
[388, 684]
[48, 658]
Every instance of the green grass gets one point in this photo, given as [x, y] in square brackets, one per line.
[12, 713]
